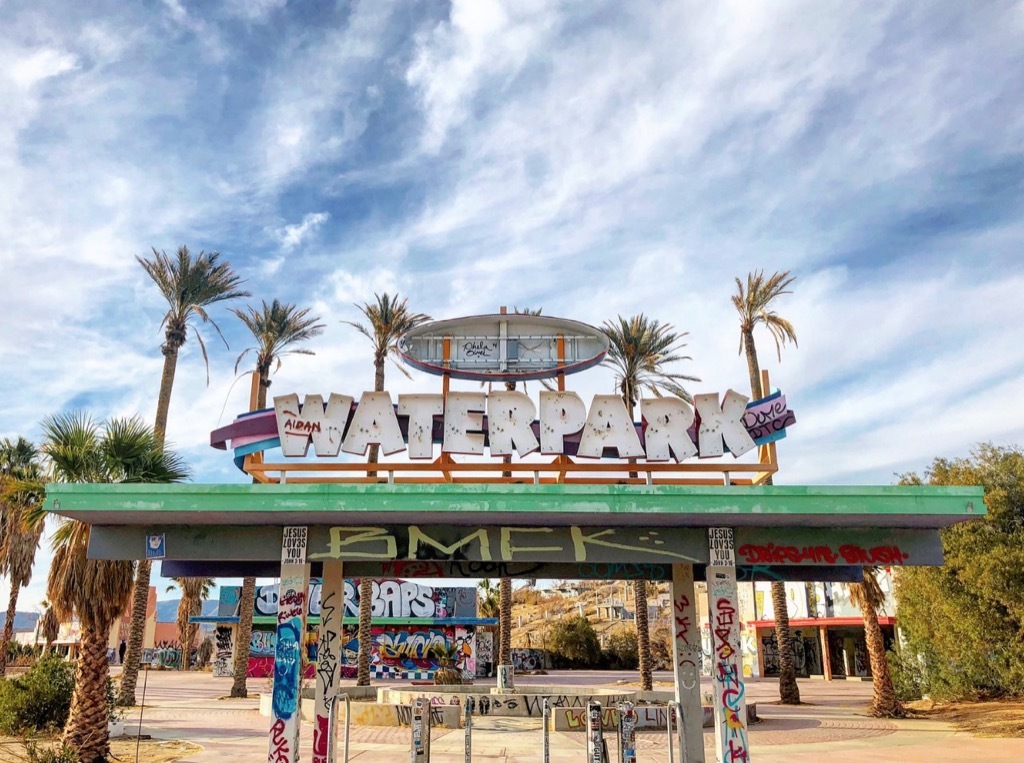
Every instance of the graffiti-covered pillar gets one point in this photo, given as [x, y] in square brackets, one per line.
[686, 653]
[730, 708]
[328, 673]
[286, 715]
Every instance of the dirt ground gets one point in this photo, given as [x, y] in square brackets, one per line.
[150, 750]
[993, 718]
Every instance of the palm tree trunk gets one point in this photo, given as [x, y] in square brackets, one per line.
[186, 646]
[140, 595]
[365, 631]
[643, 636]
[133, 653]
[884, 703]
[247, 598]
[505, 621]
[753, 367]
[244, 636]
[86, 730]
[12, 611]
[163, 403]
[789, 692]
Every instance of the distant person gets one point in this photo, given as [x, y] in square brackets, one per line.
[121, 650]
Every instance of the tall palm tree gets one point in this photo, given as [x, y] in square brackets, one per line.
[19, 540]
[387, 318]
[753, 302]
[278, 328]
[869, 597]
[96, 590]
[639, 350]
[194, 591]
[190, 284]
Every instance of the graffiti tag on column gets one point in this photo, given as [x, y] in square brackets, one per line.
[845, 554]
[682, 605]
[724, 618]
[730, 687]
[279, 749]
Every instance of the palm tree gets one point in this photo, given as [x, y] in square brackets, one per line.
[277, 329]
[488, 598]
[868, 596]
[639, 349]
[386, 320]
[96, 590]
[19, 540]
[49, 626]
[754, 305]
[190, 284]
[194, 591]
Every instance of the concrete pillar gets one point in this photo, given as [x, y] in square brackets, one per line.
[730, 708]
[686, 655]
[291, 631]
[328, 672]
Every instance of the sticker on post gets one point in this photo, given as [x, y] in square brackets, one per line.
[721, 546]
[156, 546]
[293, 545]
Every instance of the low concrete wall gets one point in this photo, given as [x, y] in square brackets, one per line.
[648, 717]
[375, 714]
[519, 704]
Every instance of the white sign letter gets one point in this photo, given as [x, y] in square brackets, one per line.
[464, 423]
[325, 428]
[421, 410]
[668, 422]
[561, 414]
[609, 426]
[374, 422]
[509, 419]
[722, 423]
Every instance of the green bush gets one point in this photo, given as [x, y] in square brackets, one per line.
[963, 621]
[573, 643]
[907, 673]
[36, 754]
[621, 651]
[40, 700]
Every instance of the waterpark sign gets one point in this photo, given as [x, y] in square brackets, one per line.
[507, 422]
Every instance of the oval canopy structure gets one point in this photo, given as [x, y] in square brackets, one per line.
[503, 347]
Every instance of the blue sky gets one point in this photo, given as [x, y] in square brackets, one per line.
[592, 159]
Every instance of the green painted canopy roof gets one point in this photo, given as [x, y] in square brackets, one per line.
[517, 504]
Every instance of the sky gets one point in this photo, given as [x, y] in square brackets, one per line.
[590, 158]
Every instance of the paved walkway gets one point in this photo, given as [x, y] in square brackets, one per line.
[830, 728]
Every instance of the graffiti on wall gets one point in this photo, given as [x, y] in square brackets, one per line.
[391, 598]
[411, 649]
[484, 652]
[222, 652]
[524, 660]
[805, 648]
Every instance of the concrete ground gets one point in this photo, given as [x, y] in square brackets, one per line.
[832, 727]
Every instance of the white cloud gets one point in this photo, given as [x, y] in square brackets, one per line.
[42, 64]
[293, 235]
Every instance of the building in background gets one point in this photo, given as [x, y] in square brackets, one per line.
[826, 628]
